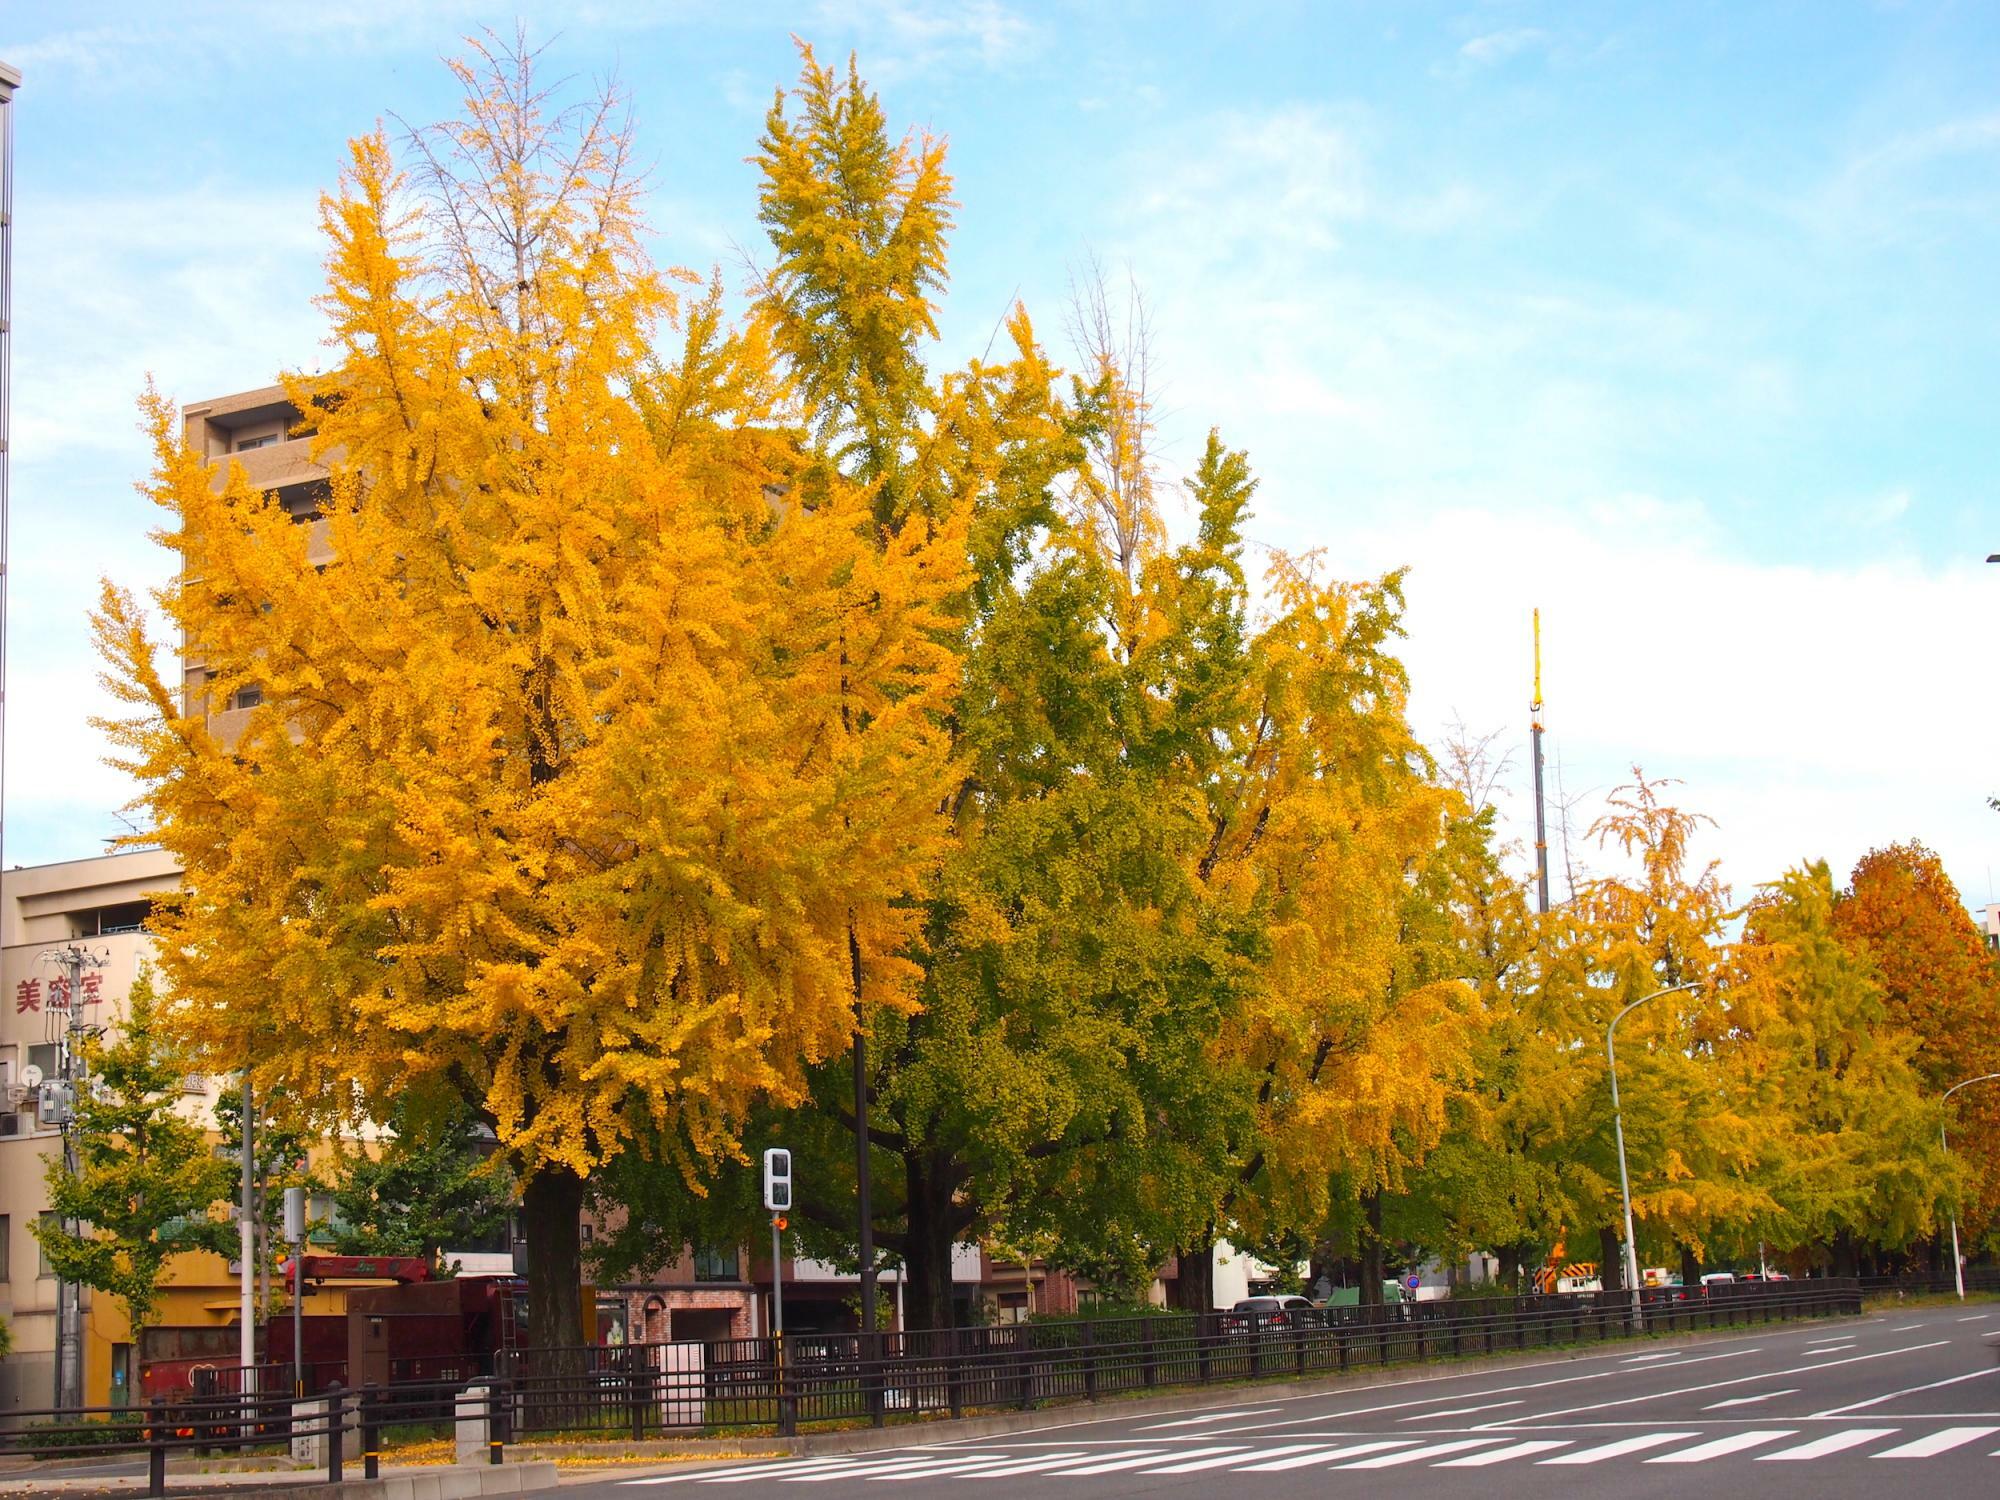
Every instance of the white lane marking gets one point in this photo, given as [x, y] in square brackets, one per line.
[1201, 1464]
[1323, 1454]
[1906, 1327]
[1640, 1359]
[1938, 1442]
[1418, 1455]
[1976, 1318]
[1751, 1400]
[1220, 1416]
[1112, 1466]
[1717, 1385]
[1830, 1349]
[1463, 1411]
[1736, 1442]
[1838, 1442]
[1912, 1390]
[1620, 1448]
[1501, 1455]
[762, 1466]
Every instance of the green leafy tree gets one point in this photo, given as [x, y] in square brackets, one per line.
[1847, 1126]
[147, 1182]
[428, 1190]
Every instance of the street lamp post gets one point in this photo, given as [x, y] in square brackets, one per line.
[1958, 1264]
[1618, 1126]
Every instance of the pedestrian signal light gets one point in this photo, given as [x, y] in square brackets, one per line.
[777, 1179]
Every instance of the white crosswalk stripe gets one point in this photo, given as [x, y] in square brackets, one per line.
[1200, 1465]
[1620, 1448]
[1324, 1455]
[992, 1470]
[1939, 1442]
[739, 1472]
[871, 1470]
[1417, 1456]
[1361, 1452]
[1113, 1466]
[1502, 1455]
[1838, 1442]
[1736, 1442]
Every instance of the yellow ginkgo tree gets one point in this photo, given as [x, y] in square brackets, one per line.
[605, 754]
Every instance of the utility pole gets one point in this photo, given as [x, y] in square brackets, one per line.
[1944, 1144]
[66, 1029]
[246, 1241]
[864, 1198]
[1541, 823]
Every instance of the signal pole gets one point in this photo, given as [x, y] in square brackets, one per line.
[1541, 824]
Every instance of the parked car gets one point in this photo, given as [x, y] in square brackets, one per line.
[1253, 1314]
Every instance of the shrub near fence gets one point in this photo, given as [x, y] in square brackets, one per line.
[657, 1390]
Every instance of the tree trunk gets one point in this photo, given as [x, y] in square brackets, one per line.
[1507, 1276]
[927, 1252]
[1610, 1259]
[1371, 1250]
[1194, 1288]
[551, 1209]
[1690, 1267]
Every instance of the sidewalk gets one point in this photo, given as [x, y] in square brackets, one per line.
[433, 1482]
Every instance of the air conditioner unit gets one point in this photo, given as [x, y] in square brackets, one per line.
[10, 1124]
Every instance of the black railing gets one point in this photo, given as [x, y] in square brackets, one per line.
[661, 1390]
[643, 1391]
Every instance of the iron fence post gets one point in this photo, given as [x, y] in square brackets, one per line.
[875, 1374]
[371, 1431]
[336, 1417]
[1146, 1338]
[498, 1411]
[1089, 1338]
[156, 1451]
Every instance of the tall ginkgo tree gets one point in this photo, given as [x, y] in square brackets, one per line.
[605, 753]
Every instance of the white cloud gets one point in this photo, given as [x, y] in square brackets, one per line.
[1813, 711]
[1499, 438]
[904, 38]
[1492, 49]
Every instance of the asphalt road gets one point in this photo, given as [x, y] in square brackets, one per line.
[1858, 1408]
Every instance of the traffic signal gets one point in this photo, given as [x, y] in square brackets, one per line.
[777, 1179]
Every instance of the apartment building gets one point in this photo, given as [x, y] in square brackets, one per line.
[261, 432]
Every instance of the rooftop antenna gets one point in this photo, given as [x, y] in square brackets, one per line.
[1541, 824]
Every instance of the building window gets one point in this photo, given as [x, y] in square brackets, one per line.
[246, 697]
[244, 445]
[715, 1265]
[6, 1249]
[50, 1224]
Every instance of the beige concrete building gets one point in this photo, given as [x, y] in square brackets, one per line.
[100, 905]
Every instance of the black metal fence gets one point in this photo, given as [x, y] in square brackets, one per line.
[643, 1391]
[331, 1429]
[653, 1390]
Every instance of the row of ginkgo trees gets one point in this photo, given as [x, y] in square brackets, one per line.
[699, 688]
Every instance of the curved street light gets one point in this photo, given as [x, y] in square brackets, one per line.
[1618, 1125]
[1958, 1264]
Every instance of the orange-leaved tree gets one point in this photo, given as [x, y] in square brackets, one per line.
[589, 766]
[1941, 985]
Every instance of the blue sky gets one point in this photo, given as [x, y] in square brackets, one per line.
[1680, 322]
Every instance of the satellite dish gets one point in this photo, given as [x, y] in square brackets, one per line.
[31, 1077]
